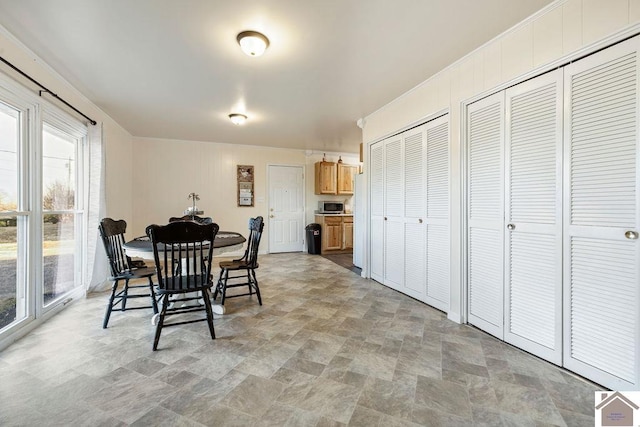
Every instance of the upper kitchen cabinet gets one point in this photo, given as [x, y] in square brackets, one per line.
[345, 178]
[326, 178]
[334, 178]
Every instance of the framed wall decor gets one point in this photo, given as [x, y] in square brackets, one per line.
[245, 185]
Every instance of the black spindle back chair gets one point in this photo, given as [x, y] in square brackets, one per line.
[189, 246]
[248, 264]
[123, 268]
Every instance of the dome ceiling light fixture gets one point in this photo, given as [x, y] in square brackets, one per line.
[253, 43]
[237, 118]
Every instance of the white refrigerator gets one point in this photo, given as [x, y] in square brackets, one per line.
[358, 221]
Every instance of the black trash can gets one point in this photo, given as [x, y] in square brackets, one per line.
[314, 239]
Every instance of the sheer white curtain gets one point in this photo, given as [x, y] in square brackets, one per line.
[97, 265]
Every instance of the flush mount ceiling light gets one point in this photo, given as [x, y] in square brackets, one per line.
[253, 43]
[237, 118]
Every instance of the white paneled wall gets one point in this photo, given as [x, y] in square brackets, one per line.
[161, 186]
[556, 31]
[178, 168]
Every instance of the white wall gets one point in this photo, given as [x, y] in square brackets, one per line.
[553, 33]
[166, 171]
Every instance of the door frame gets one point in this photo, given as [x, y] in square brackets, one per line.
[304, 199]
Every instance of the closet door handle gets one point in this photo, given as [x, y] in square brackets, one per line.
[420, 220]
[385, 218]
[633, 235]
[511, 226]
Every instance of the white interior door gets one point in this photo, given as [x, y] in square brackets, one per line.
[376, 192]
[533, 213]
[485, 156]
[437, 221]
[415, 253]
[286, 208]
[393, 214]
[601, 217]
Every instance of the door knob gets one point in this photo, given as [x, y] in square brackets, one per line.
[270, 216]
[631, 234]
[420, 220]
[385, 218]
[511, 226]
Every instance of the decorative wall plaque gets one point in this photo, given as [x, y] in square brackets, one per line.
[245, 185]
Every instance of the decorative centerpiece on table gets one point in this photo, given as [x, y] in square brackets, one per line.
[193, 209]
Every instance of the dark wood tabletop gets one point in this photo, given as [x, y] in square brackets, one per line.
[223, 239]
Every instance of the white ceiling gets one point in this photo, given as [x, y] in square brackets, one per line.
[173, 69]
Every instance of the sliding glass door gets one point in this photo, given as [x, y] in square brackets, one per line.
[60, 216]
[13, 218]
[42, 221]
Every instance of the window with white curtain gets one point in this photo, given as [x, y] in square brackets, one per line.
[42, 207]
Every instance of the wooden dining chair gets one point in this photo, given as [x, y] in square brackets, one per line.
[246, 265]
[123, 269]
[187, 244]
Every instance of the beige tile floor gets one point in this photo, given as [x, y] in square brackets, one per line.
[327, 348]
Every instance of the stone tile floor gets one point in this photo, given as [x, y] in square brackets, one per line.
[327, 348]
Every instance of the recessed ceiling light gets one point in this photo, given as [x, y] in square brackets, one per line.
[237, 118]
[253, 43]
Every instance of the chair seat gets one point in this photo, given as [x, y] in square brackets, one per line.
[237, 265]
[193, 284]
[135, 273]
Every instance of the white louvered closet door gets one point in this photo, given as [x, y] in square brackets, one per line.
[485, 138]
[601, 217]
[415, 260]
[393, 214]
[437, 190]
[533, 216]
[376, 191]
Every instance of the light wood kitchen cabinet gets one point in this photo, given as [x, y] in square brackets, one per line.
[334, 178]
[332, 234]
[326, 178]
[347, 232]
[345, 178]
[337, 232]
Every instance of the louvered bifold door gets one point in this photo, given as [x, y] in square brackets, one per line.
[437, 191]
[485, 190]
[415, 261]
[376, 191]
[533, 216]
[601, 221]
[393, 213]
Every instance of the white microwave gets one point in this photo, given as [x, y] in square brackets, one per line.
[330, 207]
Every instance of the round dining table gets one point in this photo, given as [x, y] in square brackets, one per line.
[226, 241]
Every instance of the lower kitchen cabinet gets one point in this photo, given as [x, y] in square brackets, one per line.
[337, 232]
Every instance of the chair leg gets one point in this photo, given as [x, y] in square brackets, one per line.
[218, 285]
[165, 304]
[249, 282]
[207, 306]
[107, 314]
[255, 281]
[125, 294]
[152, 293]
[224, 286]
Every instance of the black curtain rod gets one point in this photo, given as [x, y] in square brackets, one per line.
[45, 90]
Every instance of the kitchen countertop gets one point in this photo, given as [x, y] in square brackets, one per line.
[319, 214]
